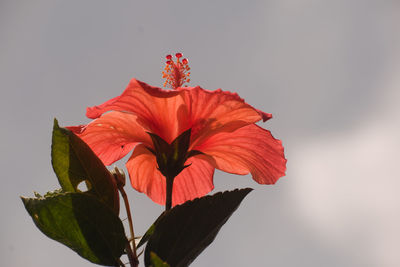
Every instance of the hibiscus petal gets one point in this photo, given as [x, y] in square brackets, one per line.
[156, 108]
[168, 113]
[76, 129]
[248, 149]
[194, 181]
[265, 116]
[144, 176]
[113, 135]
[210, 112]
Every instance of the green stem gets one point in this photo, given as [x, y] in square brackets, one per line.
[132, 256]
[132, 260]
[168, 198]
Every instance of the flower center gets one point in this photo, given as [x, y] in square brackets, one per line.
[176, 73]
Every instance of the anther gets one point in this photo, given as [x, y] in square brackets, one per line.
[176, 73]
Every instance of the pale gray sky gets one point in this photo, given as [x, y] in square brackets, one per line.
[327, 70]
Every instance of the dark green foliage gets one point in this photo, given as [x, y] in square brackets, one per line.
[183, 232]
[81, 222]
[74, 162]
[156, 261]
[171, 158]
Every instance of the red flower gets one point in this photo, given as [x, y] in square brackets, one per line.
[222, 127]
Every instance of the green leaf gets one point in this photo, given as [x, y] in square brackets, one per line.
[183, 232]
[147, 235]
[156, 261]
[74, 162]
[81, 222]
[171, 158]
[160, 145]
[149, 232]
[181, 144]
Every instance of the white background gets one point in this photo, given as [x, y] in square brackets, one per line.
[329, 71]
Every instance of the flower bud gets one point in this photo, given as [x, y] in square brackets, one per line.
[119, 176]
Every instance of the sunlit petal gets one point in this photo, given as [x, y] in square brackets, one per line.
[210, 112]
[144, 176]
[155, 108]
[114, 135]
[250, 149]
[194, 181]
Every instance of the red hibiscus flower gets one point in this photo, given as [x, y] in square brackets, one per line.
[186, 132]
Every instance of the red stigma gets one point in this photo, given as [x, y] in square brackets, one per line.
[176, 73]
